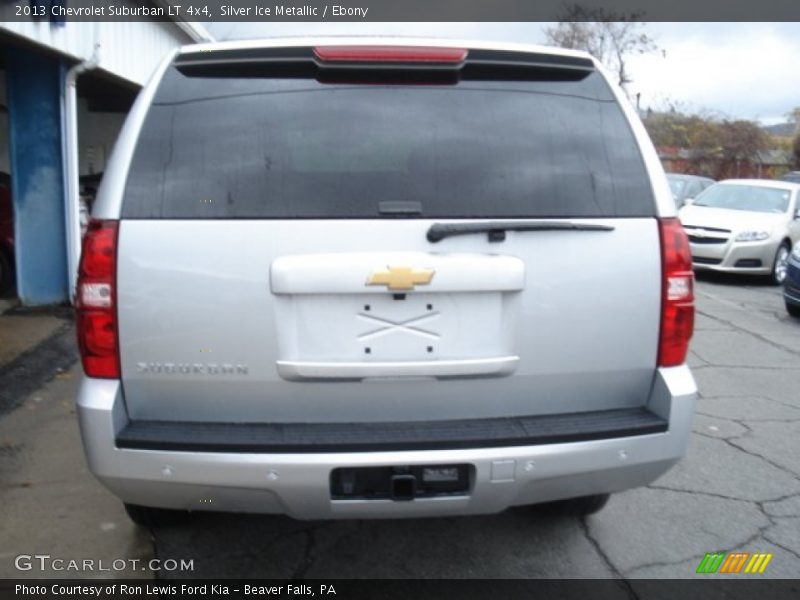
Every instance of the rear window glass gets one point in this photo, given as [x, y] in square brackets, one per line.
[259, 147]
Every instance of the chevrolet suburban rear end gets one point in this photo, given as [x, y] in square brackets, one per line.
[347, 278]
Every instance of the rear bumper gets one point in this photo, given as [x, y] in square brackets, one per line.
[298, 484]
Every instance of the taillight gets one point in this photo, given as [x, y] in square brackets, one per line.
[407, 54]
[96, 310]
[677, 302]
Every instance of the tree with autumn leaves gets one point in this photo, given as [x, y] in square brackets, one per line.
[794, 117]
[709, 145]
[713, 146]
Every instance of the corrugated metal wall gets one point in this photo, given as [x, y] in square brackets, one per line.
[130, 50]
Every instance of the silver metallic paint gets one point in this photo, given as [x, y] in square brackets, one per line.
[585, 327]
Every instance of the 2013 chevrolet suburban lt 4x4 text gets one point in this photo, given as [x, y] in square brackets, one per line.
[347, 278]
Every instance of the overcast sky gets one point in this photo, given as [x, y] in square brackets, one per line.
[737, 70]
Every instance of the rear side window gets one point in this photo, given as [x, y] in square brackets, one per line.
[271, 148]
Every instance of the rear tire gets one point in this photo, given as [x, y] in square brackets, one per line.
[146, 516]
[780, 265]
[575, 507]
[793, 310]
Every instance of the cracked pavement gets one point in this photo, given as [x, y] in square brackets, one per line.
[738, 489]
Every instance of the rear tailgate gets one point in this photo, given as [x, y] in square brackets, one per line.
[275, 262]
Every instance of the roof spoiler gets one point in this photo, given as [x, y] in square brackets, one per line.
[386, 64]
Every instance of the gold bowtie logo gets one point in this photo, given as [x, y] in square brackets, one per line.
[401, 278]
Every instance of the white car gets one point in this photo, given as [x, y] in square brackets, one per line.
[744, 226]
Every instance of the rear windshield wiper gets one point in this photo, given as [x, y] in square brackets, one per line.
[496, 230]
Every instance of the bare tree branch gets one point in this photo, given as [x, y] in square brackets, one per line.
[608, 35]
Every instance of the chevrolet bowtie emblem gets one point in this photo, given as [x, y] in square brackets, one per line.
[400, 278]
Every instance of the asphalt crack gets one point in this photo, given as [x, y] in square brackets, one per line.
[758, 336]
[743, 422]
[761, 533]
[618, 576]
[755, 397]
[697, 557]
[309, 553]
[748, 433]
[781, 546]
[697, 492]
[769, 461]
[743, 367]
[771, 515]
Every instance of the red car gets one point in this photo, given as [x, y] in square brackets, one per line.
[6, 234]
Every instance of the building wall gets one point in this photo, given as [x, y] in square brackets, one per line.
[35, 83]
[130, 50]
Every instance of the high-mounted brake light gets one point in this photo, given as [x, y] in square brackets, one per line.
[677, 302]
[400, 54]
[96, 310]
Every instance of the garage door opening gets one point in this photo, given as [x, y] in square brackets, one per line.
[8, 284]
[103, 104]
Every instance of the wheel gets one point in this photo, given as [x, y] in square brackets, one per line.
[780, 266]
[146, 516]
[575, 507]
[6, 273]
[793, 310]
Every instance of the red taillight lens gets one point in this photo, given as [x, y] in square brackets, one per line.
[99, 250]
[97, 337]
[96, 309]
[407, 54]
[677, 302]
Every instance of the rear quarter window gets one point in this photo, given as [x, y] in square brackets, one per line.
[272, 148]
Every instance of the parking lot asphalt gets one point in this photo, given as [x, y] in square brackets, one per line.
[738, 489]
[49, 502]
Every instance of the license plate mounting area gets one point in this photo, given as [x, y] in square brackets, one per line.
[401, 483]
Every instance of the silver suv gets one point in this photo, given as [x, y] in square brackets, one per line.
[338, 278]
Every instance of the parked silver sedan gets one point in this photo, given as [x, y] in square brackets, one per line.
[744, 226]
